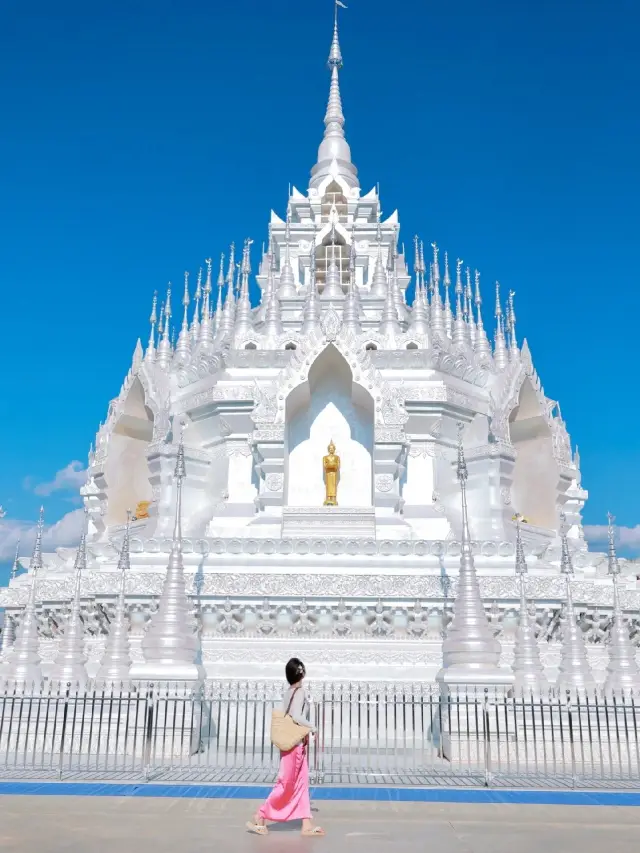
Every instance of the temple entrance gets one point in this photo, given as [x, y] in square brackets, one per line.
[126, 469]
[329, 406]
[535, 476]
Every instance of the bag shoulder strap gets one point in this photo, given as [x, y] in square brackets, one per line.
[291, 700]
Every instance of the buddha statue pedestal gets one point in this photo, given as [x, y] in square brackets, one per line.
[328, 522]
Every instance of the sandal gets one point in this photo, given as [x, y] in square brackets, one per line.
[316, 832]
[257, 828]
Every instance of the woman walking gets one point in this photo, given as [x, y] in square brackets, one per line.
[289, 799]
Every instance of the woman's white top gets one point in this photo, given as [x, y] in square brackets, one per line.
[300, 706]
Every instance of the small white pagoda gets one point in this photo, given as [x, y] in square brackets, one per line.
[352, 564]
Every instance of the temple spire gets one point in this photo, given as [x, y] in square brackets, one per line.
[69, 665]
[163, 357]
[287, 287]
[334, 154]
[272, 321]
[206, 336]
[170, 645]
[350, 312]
[24, 666]
[437, 315]
[311, 311]
[16, 561]
[114, 669]
[470, 652]
[527, 668]
[623, 676]
[513, 340]
[500, 348]
[574, 674]
[448, 314]
[153, 319]
[460, 337]
[244, 318]
[183, 348]
[218, 314]
[229, 311]
[482, 345]
[195, 322]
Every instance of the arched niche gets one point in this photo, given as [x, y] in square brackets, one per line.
[535, 476]
[329, 405]
[126, 469]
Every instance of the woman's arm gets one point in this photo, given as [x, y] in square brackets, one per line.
[296, 711]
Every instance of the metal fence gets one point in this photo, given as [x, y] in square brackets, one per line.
[366, 734]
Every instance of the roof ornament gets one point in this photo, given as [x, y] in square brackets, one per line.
[334, 154]
[195, 322]
[150, 355]
[459, 327]
[244, 317]
[287, 287]
[183, 348]
[500, 356]
[481, 343]
[437, 317]
[448, 314]
[513, 341]
[219, 309]
[16, 561]
[273, 321]
[229, 310]
[163, 356]
[206, 337]
[311, 311]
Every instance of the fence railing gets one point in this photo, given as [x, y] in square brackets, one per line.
[366, 733]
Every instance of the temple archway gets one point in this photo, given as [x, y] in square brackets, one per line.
[126, 469]
[536, 475]
[329, 405]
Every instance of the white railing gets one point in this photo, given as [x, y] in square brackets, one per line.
[367, 733]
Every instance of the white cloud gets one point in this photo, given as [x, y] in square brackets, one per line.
[627, 538]
[65, 532]
[71, 477]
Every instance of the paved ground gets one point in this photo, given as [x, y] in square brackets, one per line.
[53, 824]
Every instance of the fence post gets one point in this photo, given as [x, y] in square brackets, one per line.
[571, 740]
[65, 714]
[487, 739]
[148, 733]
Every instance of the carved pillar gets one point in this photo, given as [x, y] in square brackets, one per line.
[269, 461]
[489, 489]
[389, 466]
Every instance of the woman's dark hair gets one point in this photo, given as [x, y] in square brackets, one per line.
[295, 671]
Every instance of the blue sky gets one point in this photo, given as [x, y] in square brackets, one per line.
[139, 138]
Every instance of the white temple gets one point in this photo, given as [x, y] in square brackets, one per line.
[351, 342]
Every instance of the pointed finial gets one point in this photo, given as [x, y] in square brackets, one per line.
[153, 319]
[208, 282]
[36, 558]
[181, 470]
[335, 55]
[124, 561]
[16, 561]
[512, 322]
[461, 468]
[521, 563]
[566, 564]
[612, 557]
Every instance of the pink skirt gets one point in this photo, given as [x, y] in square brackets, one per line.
[289, 799]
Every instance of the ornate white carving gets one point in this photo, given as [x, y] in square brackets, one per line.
[274, 482]
[384, 482]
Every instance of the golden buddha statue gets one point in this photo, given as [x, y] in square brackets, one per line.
[331, 468]
[142, 510]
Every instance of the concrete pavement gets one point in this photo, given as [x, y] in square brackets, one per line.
[67, 824]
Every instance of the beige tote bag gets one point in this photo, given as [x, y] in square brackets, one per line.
[285, 732]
